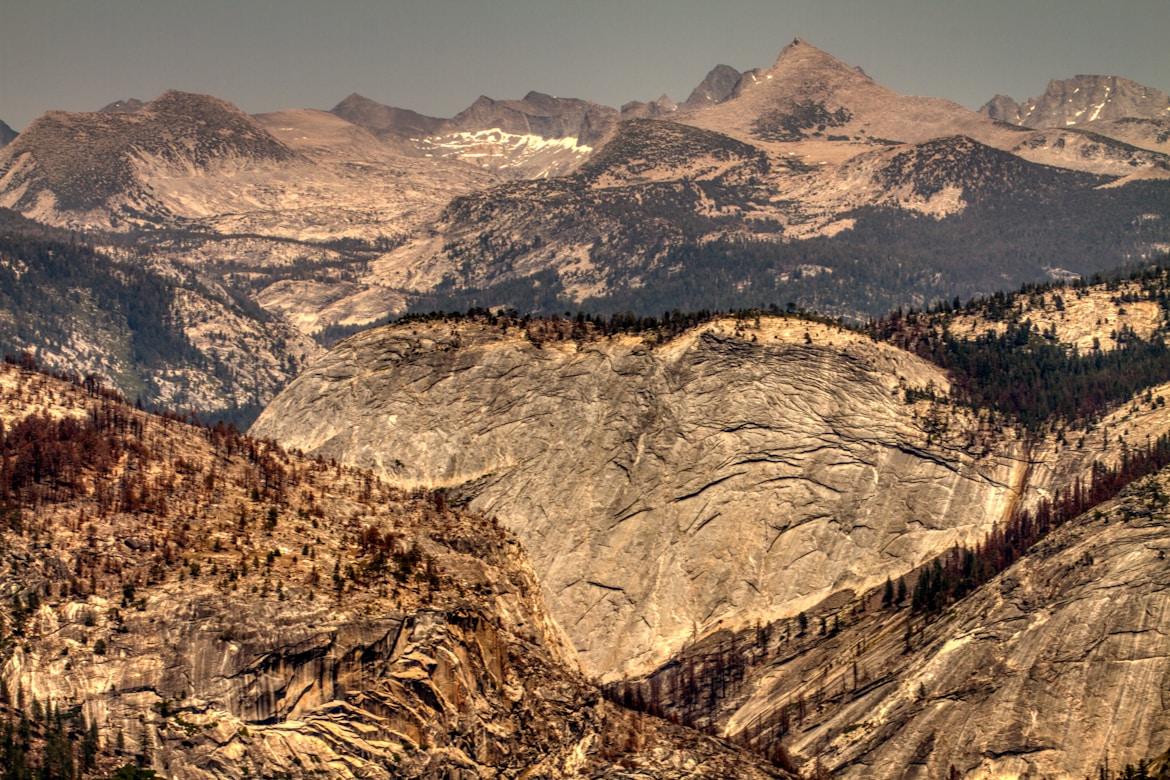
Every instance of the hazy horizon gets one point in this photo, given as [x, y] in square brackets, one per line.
[437, 58]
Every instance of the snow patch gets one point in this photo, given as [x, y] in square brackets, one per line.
[499, 150]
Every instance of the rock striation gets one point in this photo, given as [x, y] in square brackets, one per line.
[1055, 668]
[737, 471]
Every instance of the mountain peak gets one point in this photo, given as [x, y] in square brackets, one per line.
[716, 87]
[7, 134]
[383, 120]
[803, 56]
[353, 98]
[89, 161]
[175, 101]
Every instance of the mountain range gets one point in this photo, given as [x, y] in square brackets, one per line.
[772, 186]
[800, 428]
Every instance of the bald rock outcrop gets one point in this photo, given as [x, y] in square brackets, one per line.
[734, 472]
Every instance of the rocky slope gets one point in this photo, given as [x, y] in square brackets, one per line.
[1087, 318]
[165, 339]
[582, 226]
[215, 607]
[72, 168]
[738, 471]
[811, 451]
[1057, 668]
[646, 224]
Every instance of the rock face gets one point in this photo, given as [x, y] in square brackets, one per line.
[184, 606]
[1056, 668]
[735, 472]
[1080, 101]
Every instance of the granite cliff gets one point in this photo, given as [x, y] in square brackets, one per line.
[737, 471]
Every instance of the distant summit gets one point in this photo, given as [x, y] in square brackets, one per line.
[382, 120]
[7, 134]
[538, 114]
[94, 162]
[715, 88]
[1080, 100]
[810, 95]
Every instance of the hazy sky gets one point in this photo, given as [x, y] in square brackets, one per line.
[437, 56]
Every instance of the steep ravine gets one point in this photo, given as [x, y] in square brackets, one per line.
[742, 470]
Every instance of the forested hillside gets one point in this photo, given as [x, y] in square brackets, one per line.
[162, 338]
[1012, 365]
[887, 258]
[192, 601]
